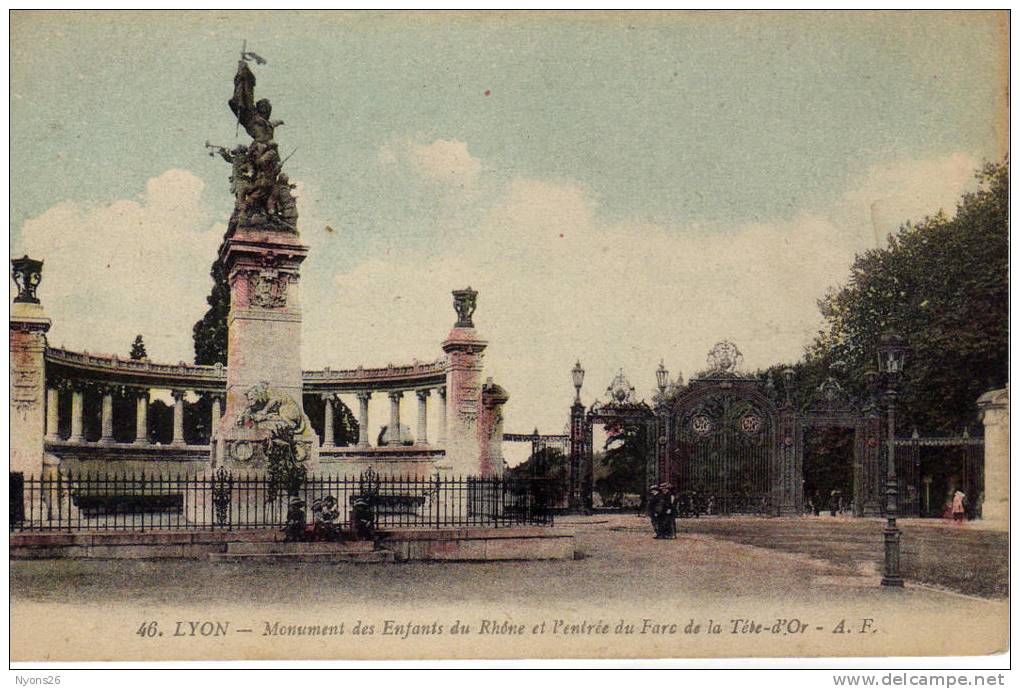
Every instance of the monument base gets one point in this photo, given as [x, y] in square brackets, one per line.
[241, 450]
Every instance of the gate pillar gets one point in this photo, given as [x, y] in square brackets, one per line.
[788, 481]
[659, 431]
[578, 455]
[587, 487]
[871, 475]
[994, 410]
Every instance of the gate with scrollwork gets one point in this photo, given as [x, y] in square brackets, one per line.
[721, 439]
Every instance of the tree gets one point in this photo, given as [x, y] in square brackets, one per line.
[210, 333]
[138, 349]
[551, 464]
[943, 284]
[622, 467]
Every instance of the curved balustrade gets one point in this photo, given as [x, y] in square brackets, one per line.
[135, 372]
[143, 372]
[391, 377]
[110, 375]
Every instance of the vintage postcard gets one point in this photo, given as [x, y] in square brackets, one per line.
[508, 335]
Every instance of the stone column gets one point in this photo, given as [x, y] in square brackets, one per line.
[216, 437]
[178, 438]
[441, 425]
[52, 414]
[464, 350]
[363, 398]
[216, 410]
[423, 400]
[28, 323]
[393, 432]
[142, 418]
[77, 416]
[107, 419]
[994, 409]
[327, 426]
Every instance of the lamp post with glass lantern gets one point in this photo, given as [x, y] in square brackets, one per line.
[665, 471]
[576, 438]
[892, 354]
[662, 378]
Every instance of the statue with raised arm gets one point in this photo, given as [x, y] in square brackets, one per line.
[262, 193]
[254, 117]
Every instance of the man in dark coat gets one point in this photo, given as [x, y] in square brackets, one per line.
[669, 515]
[660, 510]
[654, 508]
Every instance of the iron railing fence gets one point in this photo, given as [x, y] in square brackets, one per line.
[226, 501]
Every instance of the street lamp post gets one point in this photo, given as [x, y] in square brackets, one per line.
[662, 377]
[892, 353]
[664, 472]
[788, 375]
[577, 450]
[577, 374]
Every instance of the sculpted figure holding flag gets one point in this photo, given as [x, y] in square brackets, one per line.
[262, 192]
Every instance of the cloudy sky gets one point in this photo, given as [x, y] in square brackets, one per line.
[619, 188]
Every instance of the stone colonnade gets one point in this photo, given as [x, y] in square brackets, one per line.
[327, 438]
[396, 397]
[141, 397]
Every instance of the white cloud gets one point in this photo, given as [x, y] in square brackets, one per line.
[446, 161]
[442, 161]
[886, 196]
[133, 266]
[557, 282]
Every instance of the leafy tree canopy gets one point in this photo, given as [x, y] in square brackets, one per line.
[621, 468]
[942, 284]
[210, 333]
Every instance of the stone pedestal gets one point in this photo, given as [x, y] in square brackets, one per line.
[490, 430]
[994, 407]
[264, 332]
[28, 323]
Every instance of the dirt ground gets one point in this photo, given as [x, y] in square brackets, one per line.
[717, 570]
[969, 558]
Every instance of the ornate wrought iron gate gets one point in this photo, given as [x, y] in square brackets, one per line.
[724, 450]
[720, 438]
[724, 454]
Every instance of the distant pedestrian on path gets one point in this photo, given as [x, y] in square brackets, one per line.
[834, 500]
[660, 509]
[959, 506]
[669, 516]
